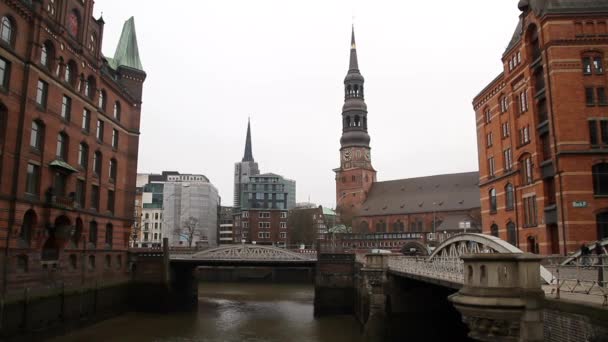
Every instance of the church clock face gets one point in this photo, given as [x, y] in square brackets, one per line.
[73, 24]
[347, 155]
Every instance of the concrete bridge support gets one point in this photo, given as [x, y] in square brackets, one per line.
[334, 284]
[372, 288]
[502, 298]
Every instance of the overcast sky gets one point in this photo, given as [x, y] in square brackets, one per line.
[212, 64]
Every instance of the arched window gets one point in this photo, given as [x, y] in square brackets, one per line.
[600, 179]
[93, 233]
[69, 76]
[357, 121]
[47, 55]
[493, 203]
[117, 110]
[381, 227]
[36, 136]
[83, 155]
[77, 234]
[398, 226]
[27, 227]
[101, 102]
[109, 234]
[533, 42]
[89, 87]
[602, 225]
[494, 230]
[7, 30]
[62, 146]
[527, 176]
[108, 262]
[509, 197]
[97, 163]
[363, 227]
[113, 169]
[511, 234]
[93, 42]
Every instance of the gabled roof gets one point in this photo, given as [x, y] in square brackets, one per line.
[450, 192]
[127, 51]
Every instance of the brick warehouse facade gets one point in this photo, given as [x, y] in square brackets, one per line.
[542, 130]
[69, 133]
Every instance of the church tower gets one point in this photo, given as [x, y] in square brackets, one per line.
[356, 175]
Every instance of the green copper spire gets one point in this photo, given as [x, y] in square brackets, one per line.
[127, 52]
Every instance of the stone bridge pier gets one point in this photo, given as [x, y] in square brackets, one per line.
[502, 298]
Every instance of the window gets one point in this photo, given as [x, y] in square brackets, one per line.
[245, 214]
[101, 101]
[587, 65]
[523, 102]
[283, 214]
[86, 120]
[604, 131]
[488, 115]
[7, 31]
[62, 146]
[42, 93]
[509, 197]
[73, 262]
[89, 87]
[601, 96]
[113, 168]
[504, 104]
[506, 130]
[80, 193]
[32, 182]
[46, 54]
[93, 233]
[68, 75]
[36, 136]
[99, 132]
[91, 262]
[489, 140]
[508, 157]
[283, 225]
[95, 197]
[66, 108]
[598, 65]
[97, 163]
[283, 235]
[5, 71]
[117, 110]
[264, 235]
[109, 234]
[60, 180]
[245, 224]
[494, 230]
[493, 203]
[264, 225]
[511, 234]
[546, 146]
[83, 155]
[530, 214]
[527, 175]
[589, 96]
[264, 214]
[593, 138]
[600, 179]
[524, 135]
[114, 138]
[491, 170]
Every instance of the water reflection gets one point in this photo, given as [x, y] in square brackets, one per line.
[231, 312]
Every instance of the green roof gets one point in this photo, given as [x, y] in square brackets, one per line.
[328, 211]
[63, 165]
[127, 51]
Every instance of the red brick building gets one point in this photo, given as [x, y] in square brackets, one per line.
[69, 132]
[399, 211]
[542, 130]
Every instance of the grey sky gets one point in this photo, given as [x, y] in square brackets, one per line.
[211, 64]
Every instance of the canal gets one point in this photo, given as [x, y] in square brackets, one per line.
[231, 312]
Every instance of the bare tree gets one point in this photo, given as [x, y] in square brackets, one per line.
[189, 230]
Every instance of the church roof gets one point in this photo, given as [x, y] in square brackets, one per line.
[449, 192]
[453, 221]
[127, 51]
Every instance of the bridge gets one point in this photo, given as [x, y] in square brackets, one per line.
[496, 289]
[246, 254]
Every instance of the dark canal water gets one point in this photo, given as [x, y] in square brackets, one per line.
[231, 312]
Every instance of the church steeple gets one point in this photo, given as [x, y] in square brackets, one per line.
[248, 156]
[354, 112]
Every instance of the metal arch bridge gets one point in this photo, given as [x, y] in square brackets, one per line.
[444, 266]
[247, 253]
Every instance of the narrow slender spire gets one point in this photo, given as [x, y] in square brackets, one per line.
[248, 157]
[354, 63]
[127, 51]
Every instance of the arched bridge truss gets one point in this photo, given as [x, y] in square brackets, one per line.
[444, 265]
[249, 253]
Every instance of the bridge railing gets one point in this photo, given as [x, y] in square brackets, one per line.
[585, 276]
[446, 269]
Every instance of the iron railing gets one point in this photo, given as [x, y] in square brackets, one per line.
[582, 276]
[447, 269]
